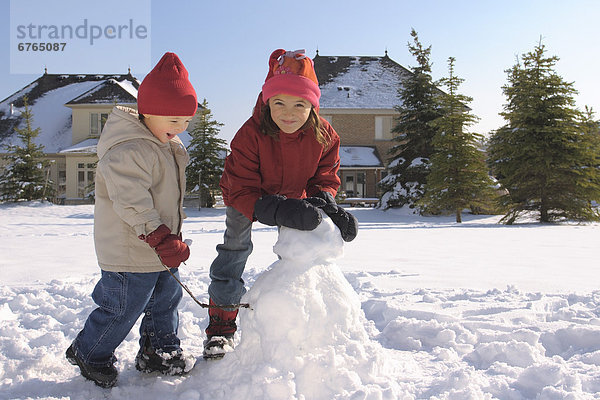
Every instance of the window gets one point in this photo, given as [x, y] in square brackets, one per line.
[85, 179]
[349, 185]
[62, 181]
[354, 183]
[360, 184]
[97, 121]
[383, 128]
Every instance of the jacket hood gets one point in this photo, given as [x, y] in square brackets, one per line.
[123, 124]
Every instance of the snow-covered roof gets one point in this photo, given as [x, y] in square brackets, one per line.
[109, 92]
[87, 146]
[359, 156]
[359, 82]
[47, 97]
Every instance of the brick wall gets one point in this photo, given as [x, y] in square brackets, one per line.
[355, 129]
[359, 130]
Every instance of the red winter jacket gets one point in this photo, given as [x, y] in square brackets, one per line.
[296, 165]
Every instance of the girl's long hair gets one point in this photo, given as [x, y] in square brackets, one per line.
[270, 128]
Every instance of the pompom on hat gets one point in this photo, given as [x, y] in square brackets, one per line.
[292, 73]
[167, 90]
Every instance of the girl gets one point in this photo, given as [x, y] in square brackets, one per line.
[284, 154]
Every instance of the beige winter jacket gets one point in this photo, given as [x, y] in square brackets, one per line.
[140, 184]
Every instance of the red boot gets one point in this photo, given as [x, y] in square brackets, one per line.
[219, 333]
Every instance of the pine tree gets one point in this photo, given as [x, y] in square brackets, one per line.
[543, 156]
[409, 158]
[590, 135]
[206, 157]
[25, 173]
[458, 176]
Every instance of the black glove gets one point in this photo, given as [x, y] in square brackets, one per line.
[325, 196]
[275, 209]
[345, 221]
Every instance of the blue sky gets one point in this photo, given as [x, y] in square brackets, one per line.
[225, 44]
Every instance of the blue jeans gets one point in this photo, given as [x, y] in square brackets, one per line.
[227, 285]
[121, 298]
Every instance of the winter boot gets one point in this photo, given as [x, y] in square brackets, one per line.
[150, 360]
[105, 376]
[219, 333]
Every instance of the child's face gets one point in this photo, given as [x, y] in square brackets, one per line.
[289, 112]
[166, 128]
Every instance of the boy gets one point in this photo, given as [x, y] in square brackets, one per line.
[140, 183]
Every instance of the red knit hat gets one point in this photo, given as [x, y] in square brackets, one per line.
[166, 90]
[293, 73]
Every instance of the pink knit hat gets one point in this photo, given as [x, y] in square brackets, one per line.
[293, 73]
[166, 90]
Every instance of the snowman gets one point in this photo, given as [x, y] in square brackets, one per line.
[306, 336]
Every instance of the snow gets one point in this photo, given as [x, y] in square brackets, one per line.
[359, 156]
[417, 162]
[396, 162]
[128, 87]
[366, 84]
[124, 84]
[86, 146]
[414, 308]
[92, 90]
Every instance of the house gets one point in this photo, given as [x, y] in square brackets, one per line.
[358, 98]
[70, 111]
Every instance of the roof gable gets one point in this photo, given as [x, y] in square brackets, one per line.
[109, 91]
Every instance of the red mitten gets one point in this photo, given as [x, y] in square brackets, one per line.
[169, 247]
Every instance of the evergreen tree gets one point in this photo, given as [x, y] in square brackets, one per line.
[25, 173]
[590, 135]
[206, 157]
[458, 176]
[543, 156]
[409, 158]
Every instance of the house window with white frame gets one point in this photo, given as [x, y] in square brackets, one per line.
[97, 121]
[383, 127]
[62, 180]
[85, 179]
[354, 183]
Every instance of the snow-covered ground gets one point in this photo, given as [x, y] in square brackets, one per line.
[415, 308]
